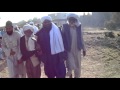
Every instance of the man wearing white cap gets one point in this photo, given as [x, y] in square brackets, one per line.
[10, 46]
[73, 43]
[29, 52]
[35, 28]
[51, 43]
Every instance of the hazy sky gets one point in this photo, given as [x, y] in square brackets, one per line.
[18, 16]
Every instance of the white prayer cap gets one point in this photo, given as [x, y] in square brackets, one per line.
[72, 15]
[31, 23]
[27, 27]
[26, 24]
[16, 26]
[46, 18]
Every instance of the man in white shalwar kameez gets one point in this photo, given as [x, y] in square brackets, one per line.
[10, 45]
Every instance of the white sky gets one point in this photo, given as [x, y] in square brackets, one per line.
[18, 16]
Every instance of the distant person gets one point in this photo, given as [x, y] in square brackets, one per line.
[16, 28]
[74, 44]
[10, 46]
[35, 27]
[58, 26]
[55, 24]
[1, 51]
[38, 25]
[0, 36]
[21, 30]
[2, 32]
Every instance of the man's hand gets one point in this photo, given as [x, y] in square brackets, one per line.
[12, 52]
[20, 61]
[39, 52]
[84, 53]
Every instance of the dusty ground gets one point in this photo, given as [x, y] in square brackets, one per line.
[95, 64]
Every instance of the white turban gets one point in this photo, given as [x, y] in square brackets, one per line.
[74, 16]
[26, 27]
[46, 18]
[30, 43]
[31, 23]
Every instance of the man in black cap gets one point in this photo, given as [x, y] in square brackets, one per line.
[10, 45]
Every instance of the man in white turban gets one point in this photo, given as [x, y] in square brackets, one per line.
[29, 52]
[51, 43]
[73, 43]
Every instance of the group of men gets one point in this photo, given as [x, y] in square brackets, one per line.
[59, 50]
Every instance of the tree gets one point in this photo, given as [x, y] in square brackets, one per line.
[35, 20]
[114, 22]
[116, 19]
[101, 17]
[97, 19]
[29, 20]
[21, 23]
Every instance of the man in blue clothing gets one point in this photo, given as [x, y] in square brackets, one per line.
[51, 43]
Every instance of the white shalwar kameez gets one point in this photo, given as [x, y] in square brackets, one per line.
[12, 42]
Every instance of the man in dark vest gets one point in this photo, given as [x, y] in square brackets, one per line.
[73, 43]
[28, 44]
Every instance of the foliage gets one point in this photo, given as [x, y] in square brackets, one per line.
[114, 22]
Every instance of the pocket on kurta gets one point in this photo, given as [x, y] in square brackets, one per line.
[14, 43]
[6, 42]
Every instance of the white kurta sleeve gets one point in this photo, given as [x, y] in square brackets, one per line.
[5, 49]
[19, 55]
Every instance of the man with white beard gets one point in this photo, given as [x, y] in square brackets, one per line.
[29, 52]
[74, 44]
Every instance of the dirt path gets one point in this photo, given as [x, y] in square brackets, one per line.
[92, 65]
